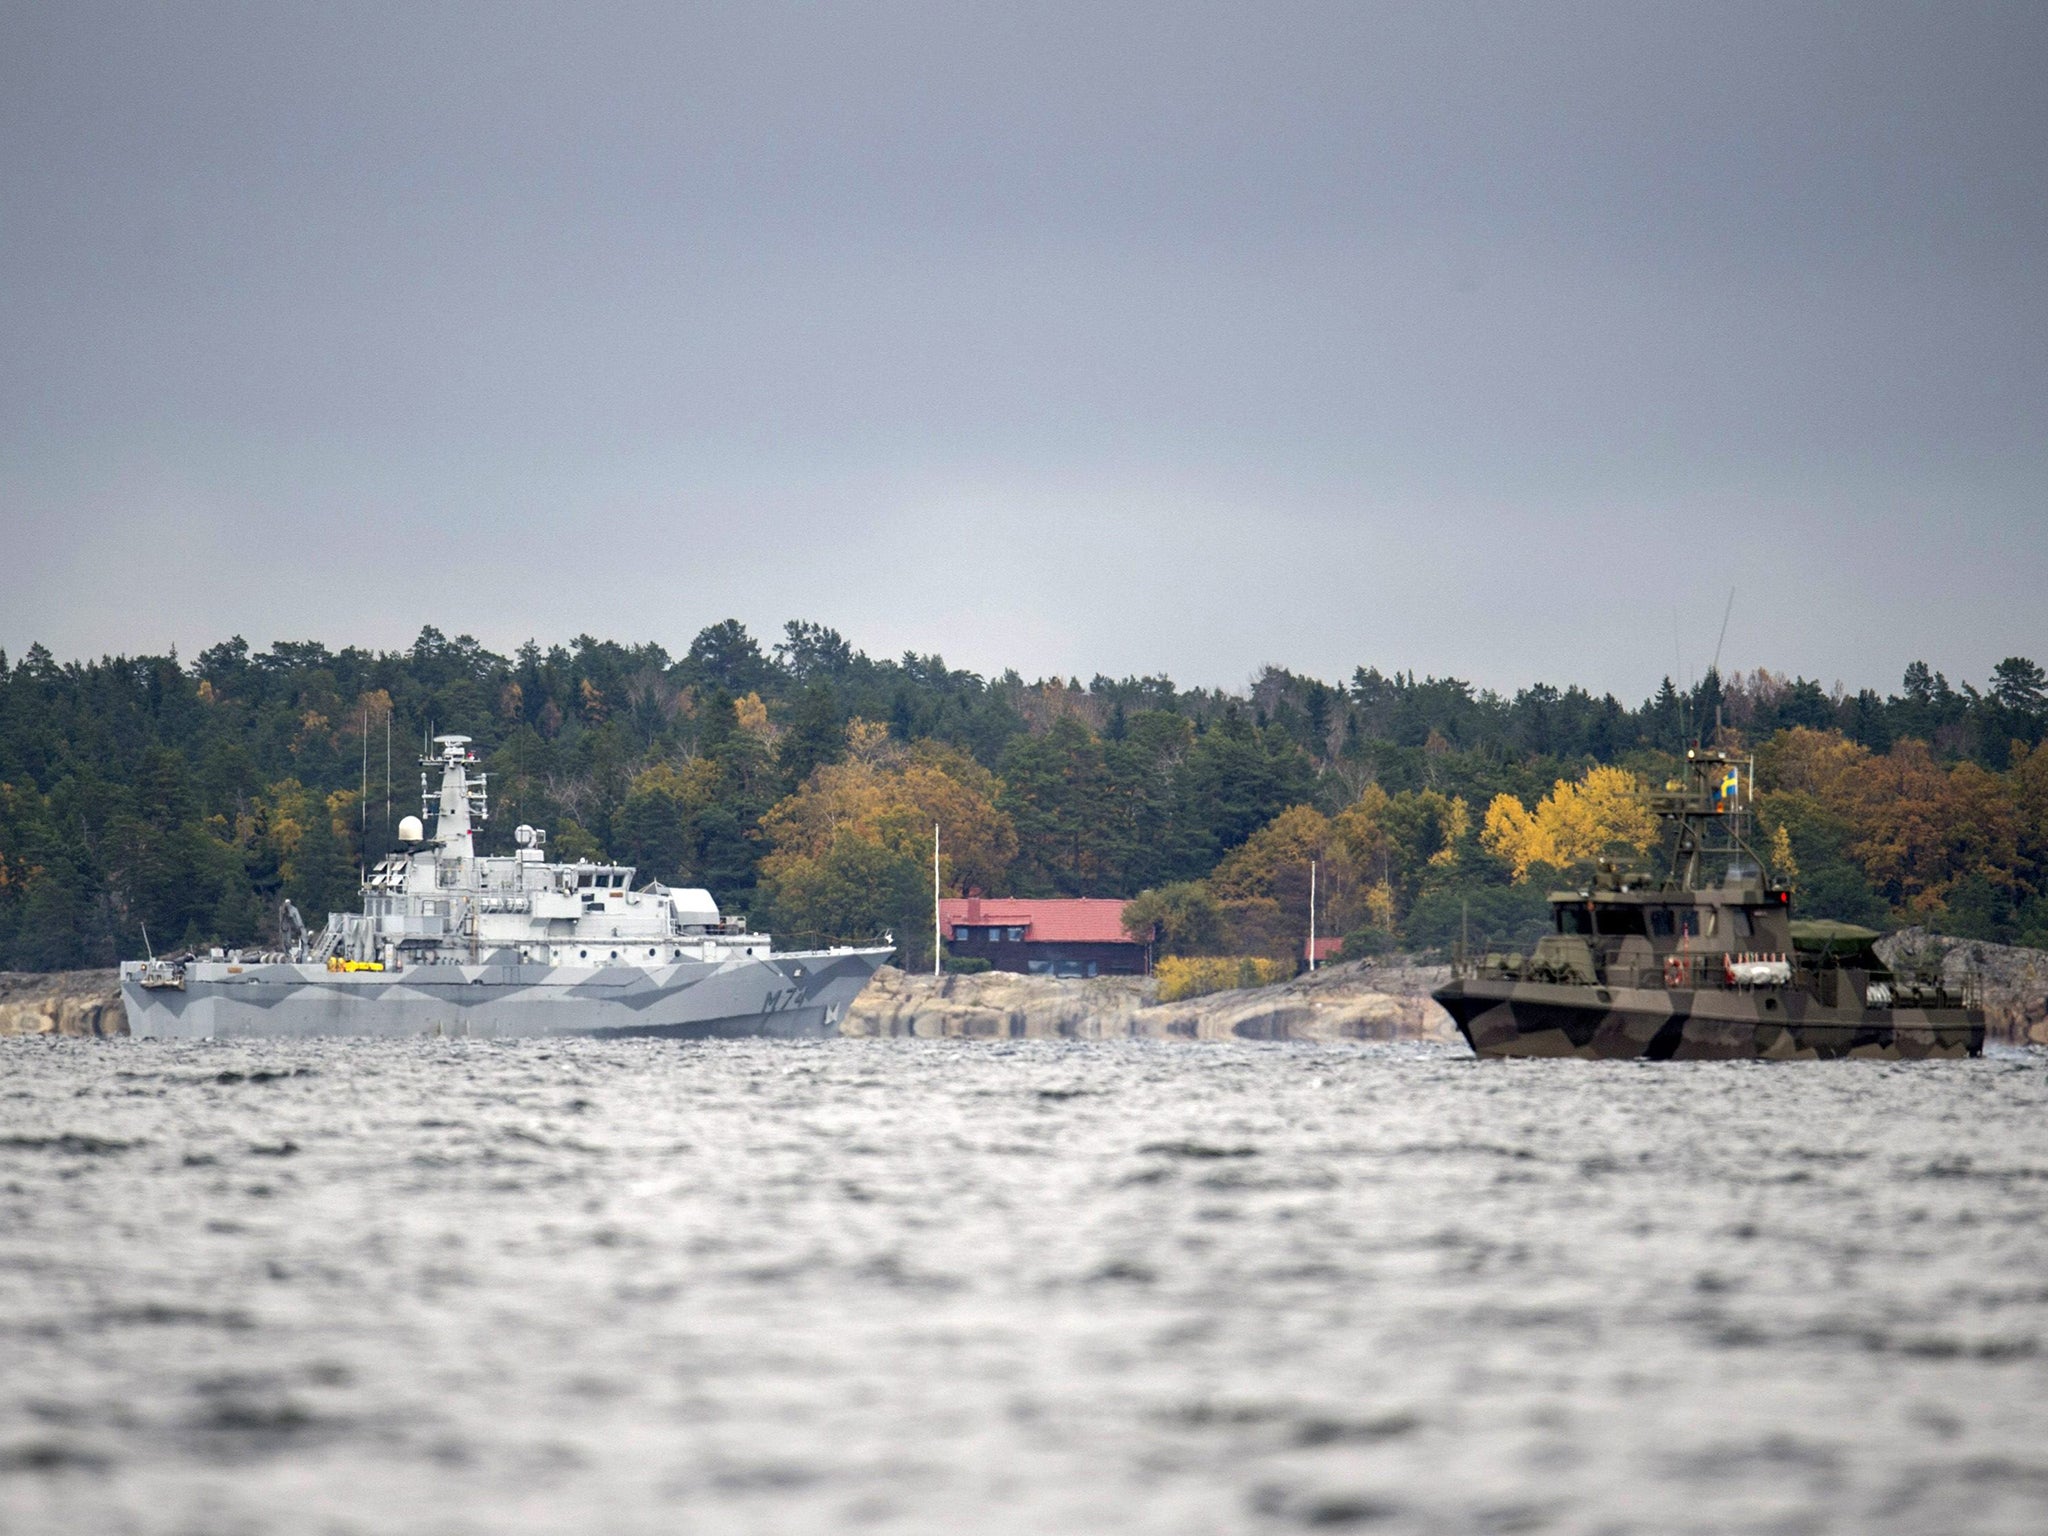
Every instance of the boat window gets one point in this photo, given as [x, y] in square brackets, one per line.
[1660, 922]
[1689, 922]
[1574, 920]
[1618, 920]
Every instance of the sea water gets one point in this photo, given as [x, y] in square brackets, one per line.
[947, 1286]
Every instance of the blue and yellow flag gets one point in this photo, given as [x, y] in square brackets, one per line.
[1730, 784]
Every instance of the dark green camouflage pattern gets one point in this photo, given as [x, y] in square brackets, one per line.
[1508, 1017]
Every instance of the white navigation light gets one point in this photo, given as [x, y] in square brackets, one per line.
[410, 830]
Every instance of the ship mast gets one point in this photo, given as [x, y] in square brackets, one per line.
[1712, 809]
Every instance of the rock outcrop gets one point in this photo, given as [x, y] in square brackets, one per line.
[61, 1003]
[1356, 1001]
[2014, 981]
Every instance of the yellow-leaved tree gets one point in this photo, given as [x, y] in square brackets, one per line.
[1263, 885]
[1397, 844]
[1603, 815]
[850, 851]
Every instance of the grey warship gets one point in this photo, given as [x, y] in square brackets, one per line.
[1705, 962]
[453, 943]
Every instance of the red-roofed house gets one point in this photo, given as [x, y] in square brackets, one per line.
[1081, 936]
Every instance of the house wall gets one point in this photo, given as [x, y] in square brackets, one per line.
[1024, 956]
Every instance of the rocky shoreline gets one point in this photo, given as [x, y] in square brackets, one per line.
[1357, 1001]
[61, 1003]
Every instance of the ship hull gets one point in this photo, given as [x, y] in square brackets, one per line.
[785, 996]
[1520, 1018]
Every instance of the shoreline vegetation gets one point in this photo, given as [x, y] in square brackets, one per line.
[154, 801]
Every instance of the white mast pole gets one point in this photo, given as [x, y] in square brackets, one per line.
[1311, 914]
[937, 938]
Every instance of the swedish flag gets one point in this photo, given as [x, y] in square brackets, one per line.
[1731, 782]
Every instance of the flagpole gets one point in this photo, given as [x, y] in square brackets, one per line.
[937, 936]
[1311, 914]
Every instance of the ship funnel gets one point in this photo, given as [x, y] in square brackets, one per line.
[410, 830]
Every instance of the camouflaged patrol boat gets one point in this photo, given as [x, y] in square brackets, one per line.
[1677, 968]
[453, 943]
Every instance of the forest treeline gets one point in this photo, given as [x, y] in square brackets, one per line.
[800, 782]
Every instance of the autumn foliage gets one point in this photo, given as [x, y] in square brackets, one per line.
[799, 783]
[1602, 815]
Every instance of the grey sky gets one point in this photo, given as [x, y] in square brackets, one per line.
[1499, 341]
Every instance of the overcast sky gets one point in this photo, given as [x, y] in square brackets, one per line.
[1499, 341]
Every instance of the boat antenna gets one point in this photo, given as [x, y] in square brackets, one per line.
[1678, 678]
[1715, 668]
[145, 940]
[1730, 608]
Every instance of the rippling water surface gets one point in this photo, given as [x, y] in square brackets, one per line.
[947, 1286]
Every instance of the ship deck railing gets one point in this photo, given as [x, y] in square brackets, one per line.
[1711, 973]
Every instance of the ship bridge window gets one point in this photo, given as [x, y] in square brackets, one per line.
[1574, 920]
[1618, 920]
[1660, 923]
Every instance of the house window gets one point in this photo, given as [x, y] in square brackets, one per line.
[1016, 935]
[961, 933]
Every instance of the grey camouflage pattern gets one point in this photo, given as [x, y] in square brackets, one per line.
[793, 995]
